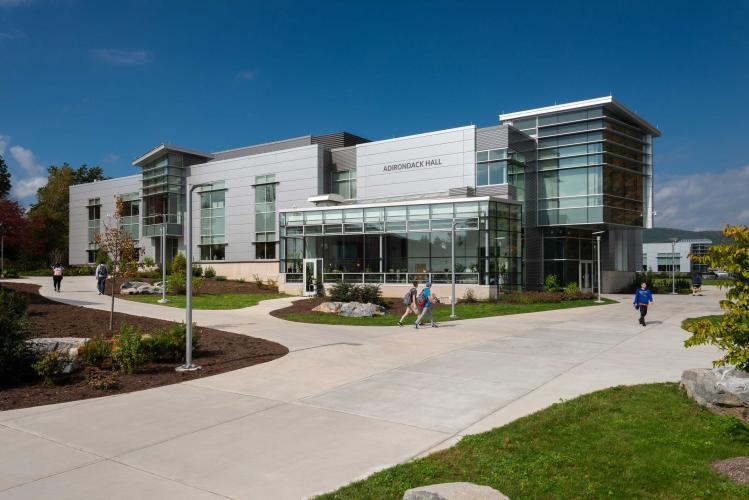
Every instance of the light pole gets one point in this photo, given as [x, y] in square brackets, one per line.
[189, 366]
[452, 266]
[598, 263]
[673, 265]
[163, 299]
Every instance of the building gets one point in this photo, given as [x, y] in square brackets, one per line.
[520, 200]
[661, 257]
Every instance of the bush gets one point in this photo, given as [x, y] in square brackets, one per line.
[571, 288]
[209, 272]
[169, 344]
[551, 283]
[272, 283]
[101, 380]
[544, 297]
[10, 273]
[342, 292]
[197, 270]
[148, 262]
[95, 351]
[220, 278]
[469, 297]
[179, 264]
[176, 283]
[128, 349]
[258, 281]
[13, 333]
[50, 366]
[348, 292]
[153, 274]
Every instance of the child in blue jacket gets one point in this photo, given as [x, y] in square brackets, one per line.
[643, 299]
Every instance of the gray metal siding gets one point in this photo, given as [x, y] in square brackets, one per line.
[338, 140]
[500, 191]
[495, 137]
[263, 148]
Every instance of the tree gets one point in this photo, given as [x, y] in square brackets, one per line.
[731, 333]
[12, 226]
[4, 178]
[49, 216]
[121, 247]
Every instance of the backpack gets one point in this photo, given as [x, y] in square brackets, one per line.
[407, 297]
[421, 299]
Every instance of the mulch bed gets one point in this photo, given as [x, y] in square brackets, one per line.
[209, 286]
[737, 469]
[219, 352]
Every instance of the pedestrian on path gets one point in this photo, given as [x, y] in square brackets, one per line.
[696, 284]
[409, 300]
[57, 270]
[424, 300]
[643, 300]
[101, 277]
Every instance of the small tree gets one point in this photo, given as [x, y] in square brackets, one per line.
[731, 333]
[121, 248]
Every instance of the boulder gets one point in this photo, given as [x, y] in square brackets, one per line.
[67, 346]
[454, 491]
[137, 288]
[359, 310]
[723, 387]
[329, 307]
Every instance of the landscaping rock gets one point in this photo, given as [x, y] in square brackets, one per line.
[138, 288]
[329, 307]
[67, 346]
[722, 387]
[359, 310]
[454, 491]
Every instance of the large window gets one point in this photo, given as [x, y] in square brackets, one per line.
[344, 184]
[668, 261]
[492, 166]
[94, 219]
[265, 217]
[212, 222]
[131, 215]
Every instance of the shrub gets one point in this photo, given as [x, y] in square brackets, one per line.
[95, 351]
[176, 283]
[179, 264]
[10, 273]
[128, 349]
[197, 270]
[169, 344]
[50, 366]
[543, 297]
[551, 283]
[347, 292]
[258, 281]
[220, 278]
[148, 262]
[571, 288]
[13, 333]
[101, 380]
[342, 292]
[152, 274]
[209, 272]
[469, 297]
[272, 283]
[197, 284]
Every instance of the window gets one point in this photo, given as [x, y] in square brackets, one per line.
[131, 215]
[212, 222]
[94, 218]
[265, 217]
[491, 166]
[344, 184]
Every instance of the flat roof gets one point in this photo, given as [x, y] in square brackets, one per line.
[608, 100]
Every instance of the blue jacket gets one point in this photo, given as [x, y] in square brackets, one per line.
[643, 296]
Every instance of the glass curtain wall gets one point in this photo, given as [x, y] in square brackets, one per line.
[699, 249]
[344, 184]
[501, 166]
[396, 244]
[163, 195]
[564, 250]
[265, 217]
[131, 215]
[94, 221]
[213, 222]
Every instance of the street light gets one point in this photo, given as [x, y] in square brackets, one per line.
[163, 299]
[189, 366]
[598, 266]
[673, 265]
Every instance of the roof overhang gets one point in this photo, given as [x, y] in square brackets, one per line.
[606, 101]
[166, 148]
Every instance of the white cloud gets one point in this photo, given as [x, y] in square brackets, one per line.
[703, 201]
[27, 187]
[25, 158]
[247, 75]
[137, 57]
[110, 158]
[14, 3]
[33, 177]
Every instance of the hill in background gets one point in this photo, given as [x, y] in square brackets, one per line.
[664, 234]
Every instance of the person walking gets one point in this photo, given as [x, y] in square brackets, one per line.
[424, 300]
[409, 300]
[643, 300]
[101, 277]
[696, 284]
[57, 270]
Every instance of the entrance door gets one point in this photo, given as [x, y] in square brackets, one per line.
[586, 276]
[312, 275]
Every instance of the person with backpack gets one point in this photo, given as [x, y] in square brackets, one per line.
[424, 300]
[57, 270]
[643, 299]
[696, 284]
[409, 300]
[101, 277]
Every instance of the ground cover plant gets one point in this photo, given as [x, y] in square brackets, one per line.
[645, 441]
[150, 349]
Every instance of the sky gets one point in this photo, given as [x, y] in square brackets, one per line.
[100, 83]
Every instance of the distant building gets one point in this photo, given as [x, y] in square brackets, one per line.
[657, 257]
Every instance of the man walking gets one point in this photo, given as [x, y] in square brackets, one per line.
[101, 277]
[424, 300]
[643, 299]
[696, 284]
[409, 300]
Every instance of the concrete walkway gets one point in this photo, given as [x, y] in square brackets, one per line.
[345, 401]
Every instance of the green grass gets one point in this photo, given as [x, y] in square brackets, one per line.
[209, 301]
[645, 441]
[714, 319]
[462, 311]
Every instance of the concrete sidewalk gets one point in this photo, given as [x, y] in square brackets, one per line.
[345, 402]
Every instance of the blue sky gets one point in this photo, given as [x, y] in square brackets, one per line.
[102, 82]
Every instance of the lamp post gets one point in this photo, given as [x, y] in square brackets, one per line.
[598, 263]
[452, 266]
[673, 265]
[163, 299]
[189, 366]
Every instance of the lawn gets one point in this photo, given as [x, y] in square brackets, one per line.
[462, 311]
[209, 301]
[645, 441]
[690, 321]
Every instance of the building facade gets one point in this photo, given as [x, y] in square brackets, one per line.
[504, 205]
[663, 257]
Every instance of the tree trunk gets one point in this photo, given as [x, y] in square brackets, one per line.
[111, 310]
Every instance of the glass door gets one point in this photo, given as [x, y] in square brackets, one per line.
[586, 276]
[312, 276]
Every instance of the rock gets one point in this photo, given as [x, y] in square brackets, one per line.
[67, 346]
[138, 288]
[359, 310]
[737, 469]
[329, 307]
[454, 491]
[718, 387]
